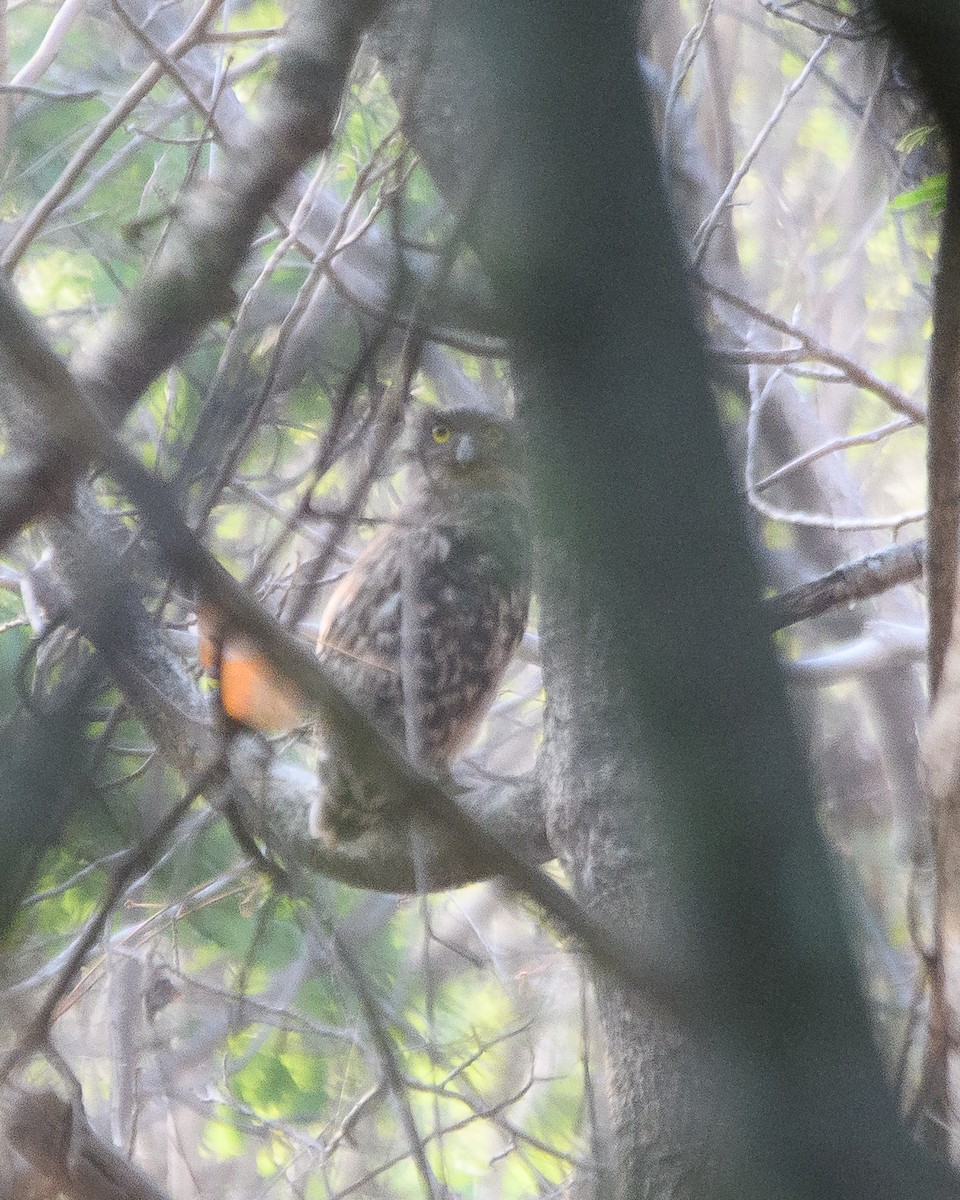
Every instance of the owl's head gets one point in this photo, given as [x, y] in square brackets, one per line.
[471, 446]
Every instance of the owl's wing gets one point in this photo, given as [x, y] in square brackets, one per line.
[465, 601]
[359, 636]
[470, 614]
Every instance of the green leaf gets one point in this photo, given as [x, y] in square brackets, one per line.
[282, 1080]
[222, 1141]
[932, 191]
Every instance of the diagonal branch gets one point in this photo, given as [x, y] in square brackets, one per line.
[83, 433]
[55, 1138]
[860, 580]
[192, 283]
[815, 349]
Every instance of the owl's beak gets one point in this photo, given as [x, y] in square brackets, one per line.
[466, 450]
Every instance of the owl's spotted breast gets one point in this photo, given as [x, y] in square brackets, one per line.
[470, 587]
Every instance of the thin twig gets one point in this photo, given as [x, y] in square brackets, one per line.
[817, 350]
[703, 235]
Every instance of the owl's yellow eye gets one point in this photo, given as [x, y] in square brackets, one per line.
[441, 434]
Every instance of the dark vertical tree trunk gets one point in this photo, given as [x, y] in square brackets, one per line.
[614, 851]
[680, 799]
[929, 31]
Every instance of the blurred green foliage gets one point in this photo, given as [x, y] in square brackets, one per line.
[480, 1012]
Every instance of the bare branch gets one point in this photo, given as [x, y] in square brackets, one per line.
[81, 159]
[388, 1064]
[192, 283]
[705, 232]
[816, 349]
[854, 581]
[50, 46]
[47, 381]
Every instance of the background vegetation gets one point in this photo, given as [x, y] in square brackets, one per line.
[235, 1037]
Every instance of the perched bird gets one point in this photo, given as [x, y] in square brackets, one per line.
[421, 628]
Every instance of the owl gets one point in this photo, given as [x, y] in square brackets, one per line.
[421, 628]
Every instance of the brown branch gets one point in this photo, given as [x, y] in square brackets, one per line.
[859, 580]
[858, 375]
[272, 796]
[192, 283]
[55, 1138]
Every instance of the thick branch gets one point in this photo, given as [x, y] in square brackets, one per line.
[55, 1138]
[42, 376]
[941, 744]
[192, 283]
[854, 581]
[272, 796]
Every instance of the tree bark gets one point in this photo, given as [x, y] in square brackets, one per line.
[615, 853]
[682, 807]
[929, 30]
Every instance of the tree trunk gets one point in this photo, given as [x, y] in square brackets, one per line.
[604, 822]
[682, 809]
